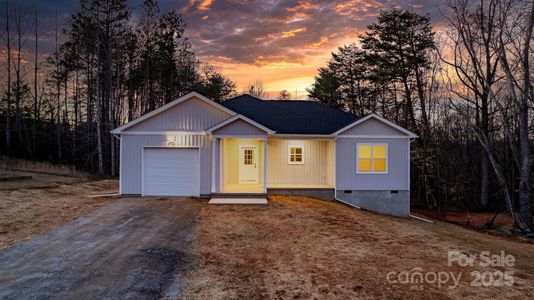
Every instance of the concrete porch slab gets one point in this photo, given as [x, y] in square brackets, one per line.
[239, 201]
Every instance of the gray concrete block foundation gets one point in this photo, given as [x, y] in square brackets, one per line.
[395, 203]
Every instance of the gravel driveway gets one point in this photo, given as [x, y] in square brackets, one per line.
[131, 248]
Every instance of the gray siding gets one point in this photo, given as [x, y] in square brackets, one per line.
[239, 127]
[190, 115]
[372, 127]
[398, 177]
[131, 154]
[385, 202]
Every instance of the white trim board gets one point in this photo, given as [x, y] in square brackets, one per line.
[239, 117]
[170, 105]
[164, 133]
[373, 137]
[377, 117]
[372, 158]
[236, 136]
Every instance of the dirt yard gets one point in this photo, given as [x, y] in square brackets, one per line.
[303, 248]
[35, 206]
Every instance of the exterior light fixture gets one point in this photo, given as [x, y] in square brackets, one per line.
[171, 140]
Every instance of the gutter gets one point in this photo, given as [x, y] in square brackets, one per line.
[346, 203]
[422, 219]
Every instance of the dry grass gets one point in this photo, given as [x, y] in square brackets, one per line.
[32, 207]
[10, 165]
[303, 248]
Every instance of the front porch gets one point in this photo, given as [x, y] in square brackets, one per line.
[240, 165]
[258, 165]
[249, 159]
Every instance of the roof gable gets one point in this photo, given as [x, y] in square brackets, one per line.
[373, 125]
[149, 118]
[239, 124]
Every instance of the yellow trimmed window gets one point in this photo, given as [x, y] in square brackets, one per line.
[372, 158]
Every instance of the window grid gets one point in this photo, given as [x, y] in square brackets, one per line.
[248, 156]
[296, 155]
[372, 158]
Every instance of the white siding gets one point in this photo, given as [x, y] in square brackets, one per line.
[316, 170]
[190, 115]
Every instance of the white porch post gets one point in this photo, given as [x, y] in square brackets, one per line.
[213, 163]
[265, 165]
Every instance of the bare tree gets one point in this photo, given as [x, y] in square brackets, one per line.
[520, 89]
[35, 91]
[8, 84]
[474, 62]
[58, 91]
[257, 90]
[284, 95]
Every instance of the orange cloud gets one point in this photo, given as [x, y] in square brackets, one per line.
[323, 40]
[292, 32]
[359, 8]
[204, 5]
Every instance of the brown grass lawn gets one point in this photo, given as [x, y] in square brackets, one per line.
[298, 247]
[32, 207]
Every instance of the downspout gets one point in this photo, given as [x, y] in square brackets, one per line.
[117, 136]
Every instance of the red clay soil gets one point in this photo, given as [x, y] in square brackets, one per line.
[474, 219]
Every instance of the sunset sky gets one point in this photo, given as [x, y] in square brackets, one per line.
[281, 43]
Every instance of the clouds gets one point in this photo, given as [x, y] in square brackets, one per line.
[267, 39]
[289, 36]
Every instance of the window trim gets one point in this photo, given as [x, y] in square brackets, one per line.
[372, 159]
[289, 162]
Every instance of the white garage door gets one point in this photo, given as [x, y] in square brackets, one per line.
[171, 172]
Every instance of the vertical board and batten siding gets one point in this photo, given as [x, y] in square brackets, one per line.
[316, 170]
[372, 127]
[398, 157]
[230, 165]
[239, 127]
[132, 154]
[191, 115]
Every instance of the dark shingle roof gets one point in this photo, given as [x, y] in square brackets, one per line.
[293, 116]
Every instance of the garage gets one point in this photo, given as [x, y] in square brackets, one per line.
[171, 172]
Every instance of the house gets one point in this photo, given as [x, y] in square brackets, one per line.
[194, 146]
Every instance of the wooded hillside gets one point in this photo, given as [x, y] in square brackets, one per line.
[465, 89]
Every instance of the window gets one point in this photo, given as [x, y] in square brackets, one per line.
[372, 158]
[248, 157]
[296, 155]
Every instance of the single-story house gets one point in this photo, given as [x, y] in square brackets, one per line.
[194, 146]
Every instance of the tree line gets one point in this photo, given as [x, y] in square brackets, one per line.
[106, 68]
[466, 92]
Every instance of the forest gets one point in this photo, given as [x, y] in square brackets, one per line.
[464, 88]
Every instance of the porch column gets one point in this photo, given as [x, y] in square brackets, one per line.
[265, 165]
[213, 163]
